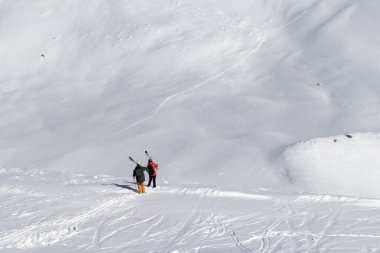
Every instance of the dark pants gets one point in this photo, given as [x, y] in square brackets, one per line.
[150, 180]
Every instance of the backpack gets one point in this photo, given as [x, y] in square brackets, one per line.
[151, 167]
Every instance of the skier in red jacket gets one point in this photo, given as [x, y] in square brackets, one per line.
[152, 167]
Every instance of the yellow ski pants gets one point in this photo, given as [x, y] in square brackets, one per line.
[140, 187]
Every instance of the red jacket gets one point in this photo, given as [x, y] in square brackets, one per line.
[152, 168]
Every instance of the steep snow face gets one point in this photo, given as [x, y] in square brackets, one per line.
[214, 89]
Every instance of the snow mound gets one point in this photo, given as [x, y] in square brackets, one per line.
[341, 165]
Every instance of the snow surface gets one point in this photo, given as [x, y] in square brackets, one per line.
[246, 105]
[57, 212]
[351, 163]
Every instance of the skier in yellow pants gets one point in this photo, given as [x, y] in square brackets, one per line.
[138, 172]
[141, 187]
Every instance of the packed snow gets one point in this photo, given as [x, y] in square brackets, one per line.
[264, 118]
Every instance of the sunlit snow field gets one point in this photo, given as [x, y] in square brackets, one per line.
[263, 116]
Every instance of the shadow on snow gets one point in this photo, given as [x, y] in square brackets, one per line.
[125, 186]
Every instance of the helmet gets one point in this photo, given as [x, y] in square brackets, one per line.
[138, 162]
[150, 160]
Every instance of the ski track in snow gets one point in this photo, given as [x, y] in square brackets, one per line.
[41, 211]
[262, 38]
[192, 220]
[67, 227]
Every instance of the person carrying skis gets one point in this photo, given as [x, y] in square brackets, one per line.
[138, 172]
[152, 172]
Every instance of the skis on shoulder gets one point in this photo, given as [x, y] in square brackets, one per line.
[130, 158]
[147, 154]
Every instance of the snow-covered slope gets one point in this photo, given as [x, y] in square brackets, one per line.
[231, 99]
[343, 165]
[57, 212]
[210, 88]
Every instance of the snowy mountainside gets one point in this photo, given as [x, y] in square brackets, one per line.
[247, 106]
[198, 83]
[222, 86]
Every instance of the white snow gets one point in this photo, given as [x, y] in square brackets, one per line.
[337, 165]
[246, 106]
